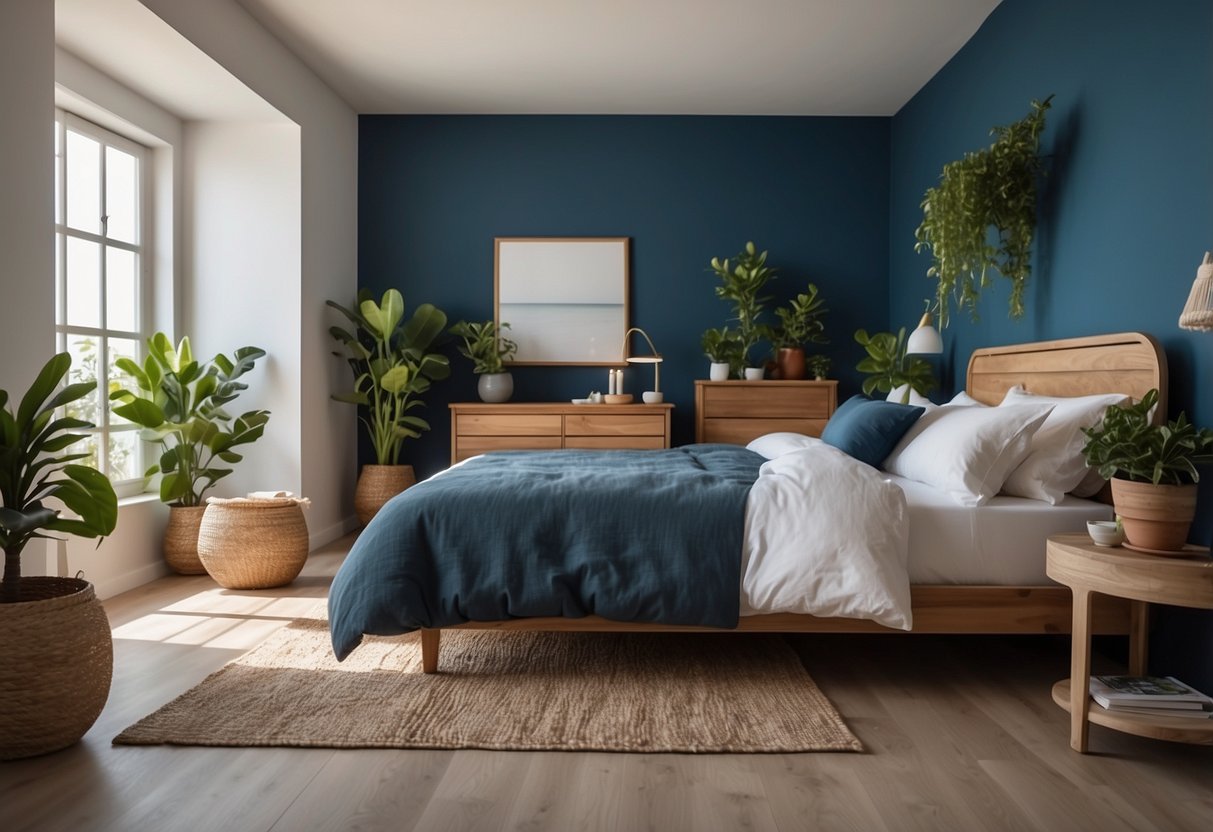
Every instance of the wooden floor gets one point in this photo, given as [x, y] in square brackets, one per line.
[961, 734]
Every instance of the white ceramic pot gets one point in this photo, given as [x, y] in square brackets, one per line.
[753, 373]
[652, 397]
[495, 388]
[719, 371]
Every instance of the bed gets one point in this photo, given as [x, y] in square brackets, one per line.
[1022, 600]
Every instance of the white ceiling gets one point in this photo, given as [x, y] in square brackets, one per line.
[759, 57]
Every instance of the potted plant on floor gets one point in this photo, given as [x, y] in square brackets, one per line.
[890, 369]
[1152, 468]
[799, 324]
[723, 349]
[392, 369]
[488, 348]
[742, 279]
[56, 652]
[179, 402]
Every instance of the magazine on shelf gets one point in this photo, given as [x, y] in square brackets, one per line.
[1189, 713]
[1146, 691]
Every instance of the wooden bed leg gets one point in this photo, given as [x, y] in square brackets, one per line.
[430, 641]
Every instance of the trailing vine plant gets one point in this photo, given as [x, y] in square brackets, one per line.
[990, 188]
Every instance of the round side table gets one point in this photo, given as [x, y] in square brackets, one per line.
[1073, 560]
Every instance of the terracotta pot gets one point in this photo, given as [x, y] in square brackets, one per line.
[791, 362]
[56, 664]
[181, 540]
[376, 485]
[1155, 517]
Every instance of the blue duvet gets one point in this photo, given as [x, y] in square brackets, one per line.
[651, 536]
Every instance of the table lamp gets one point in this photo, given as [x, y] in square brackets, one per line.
[649, 396]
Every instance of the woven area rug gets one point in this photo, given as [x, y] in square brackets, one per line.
[509, 691]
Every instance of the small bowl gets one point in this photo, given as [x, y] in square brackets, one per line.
[1105, 532]
[618, 398]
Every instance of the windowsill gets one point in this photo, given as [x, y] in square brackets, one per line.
[137, 499]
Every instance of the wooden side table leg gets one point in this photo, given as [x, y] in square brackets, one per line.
[430, 641]
[1139, 637]
[1080, 669]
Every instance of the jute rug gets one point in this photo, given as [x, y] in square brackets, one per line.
[509, 691]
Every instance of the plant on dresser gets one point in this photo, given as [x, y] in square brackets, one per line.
[799, 324]
[1153, 471]
[56, 651]
[723, 349]
[742, 281]
[488, 348]
[393, 368]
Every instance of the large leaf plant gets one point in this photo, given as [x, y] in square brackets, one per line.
[179, 403]
[742, 281]
[34, 470]
[1130, 445]
[888, 367]
[392, 367]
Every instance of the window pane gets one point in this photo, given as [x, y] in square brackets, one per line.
[121, 296]
[120, 348]
[85, 446]
[83, 283]
[58, 174]
[83, 183]
[124, 455]
[121, 190]
[84, 350]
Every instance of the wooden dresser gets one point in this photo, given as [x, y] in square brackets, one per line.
[477, 427]
[738, 411]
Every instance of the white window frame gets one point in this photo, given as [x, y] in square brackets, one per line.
[144, 255]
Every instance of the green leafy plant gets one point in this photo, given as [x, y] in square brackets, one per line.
[33, 470]
[888, 367]
[1127, 444]
[990, 188]
[800, 321]
[819, 366]
[179, 404]
[742, 280]
[723, 346]
[485, 344]
[392, 367]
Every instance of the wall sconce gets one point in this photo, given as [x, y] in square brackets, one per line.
[1198, 311]
[649, 396]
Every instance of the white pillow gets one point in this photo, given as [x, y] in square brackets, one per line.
[967, 452]
[963, 399]
[775, 445]
[897, 394]
[1055, 465]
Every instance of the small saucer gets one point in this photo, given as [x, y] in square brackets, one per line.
[1187, 551]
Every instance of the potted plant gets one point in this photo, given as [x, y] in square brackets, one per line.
[489, 349]
[56, 652]
[1153, 472]
[723, 349]
[890, 369]
[392, 369]
[990, 188]
[179, 403]
[819, 367]
[742, 280]
[799, 324]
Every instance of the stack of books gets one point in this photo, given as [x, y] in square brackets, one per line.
[1153, 695]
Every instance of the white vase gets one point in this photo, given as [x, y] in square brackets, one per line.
[495, 388]
[719, 371]
[753, 373]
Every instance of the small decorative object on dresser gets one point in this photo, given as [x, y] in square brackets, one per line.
[723, 349]
[738, 411]
[488, 348]
[1153, 472]
[819, 367]
[179, 401]
[799, 324]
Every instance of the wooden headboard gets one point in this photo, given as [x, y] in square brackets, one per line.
[1126, 362]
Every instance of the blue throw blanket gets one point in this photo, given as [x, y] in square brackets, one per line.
[628, 535]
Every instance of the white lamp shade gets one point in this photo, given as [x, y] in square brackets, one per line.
[924, 340]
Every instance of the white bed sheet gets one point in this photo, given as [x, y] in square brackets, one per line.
[1002, 542]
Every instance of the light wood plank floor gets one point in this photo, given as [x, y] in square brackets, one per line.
[961, 734]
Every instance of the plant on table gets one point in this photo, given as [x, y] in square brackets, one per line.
[889, 368]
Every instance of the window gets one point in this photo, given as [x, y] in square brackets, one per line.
[100, 278]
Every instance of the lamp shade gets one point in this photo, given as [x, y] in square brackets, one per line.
[655, 358]
[1198, 311]
[925, 339]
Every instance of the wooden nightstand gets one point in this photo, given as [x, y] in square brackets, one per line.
[1073, 560]
[738, 411]
[477, 427]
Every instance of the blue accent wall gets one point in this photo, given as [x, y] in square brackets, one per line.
[1124, 217]
[435, 190]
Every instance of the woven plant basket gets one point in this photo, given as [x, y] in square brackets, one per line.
[376, 485]
[253, 544]
[56, 663]
[181, 540]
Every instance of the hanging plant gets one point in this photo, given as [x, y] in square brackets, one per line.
[990, 188]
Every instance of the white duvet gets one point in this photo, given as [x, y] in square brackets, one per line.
[825, 535]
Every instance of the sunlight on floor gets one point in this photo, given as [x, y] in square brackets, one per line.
[217, 618]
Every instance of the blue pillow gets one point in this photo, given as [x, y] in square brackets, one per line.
[868, 429]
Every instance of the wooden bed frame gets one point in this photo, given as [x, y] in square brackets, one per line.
[1130, 363]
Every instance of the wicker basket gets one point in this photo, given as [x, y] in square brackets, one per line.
[181, 540]
[253, 544]
[56, 663]
[376, 485]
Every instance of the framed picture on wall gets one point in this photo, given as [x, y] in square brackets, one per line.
[565, 298]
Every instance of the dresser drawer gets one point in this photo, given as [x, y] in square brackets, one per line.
[508, 424]
[471, 446]
[594, 424]
[742, 431]
[613, 443]
[771, 402]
